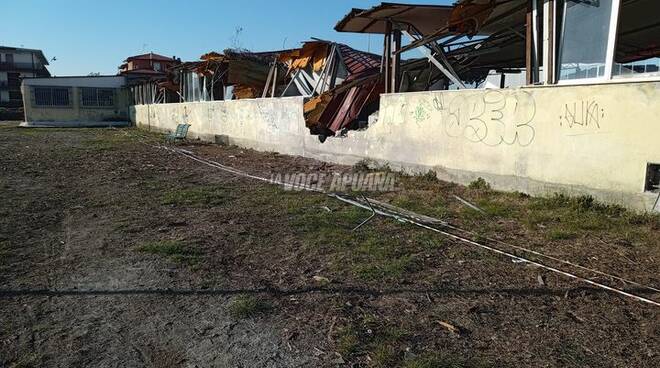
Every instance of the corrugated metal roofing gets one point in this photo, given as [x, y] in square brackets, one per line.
[425, 18]
[358, 61]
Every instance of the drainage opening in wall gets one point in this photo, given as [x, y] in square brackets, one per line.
[652, 178]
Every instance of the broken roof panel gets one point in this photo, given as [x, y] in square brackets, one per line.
[358, 61]
[425, 18]
[316, 52]
[485, 17]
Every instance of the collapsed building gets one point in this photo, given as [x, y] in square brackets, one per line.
[546, 41]
[537, 96]
[342, 84]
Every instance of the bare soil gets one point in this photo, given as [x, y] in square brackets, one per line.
[116, 253]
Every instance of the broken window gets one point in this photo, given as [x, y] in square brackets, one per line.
[584, 35]
[638, 40]
[97, 97]
[49, 96]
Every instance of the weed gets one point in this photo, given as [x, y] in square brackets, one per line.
[247, 306]
[577, 204]
[480, 185]
[384, 355]
[363, 165]
[497, 207]
[348, 342]
[430, 177]
[645, 218]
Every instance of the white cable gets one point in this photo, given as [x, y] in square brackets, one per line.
[419, 224]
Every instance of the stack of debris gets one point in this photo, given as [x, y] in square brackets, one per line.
[245, 74]
[343, 85]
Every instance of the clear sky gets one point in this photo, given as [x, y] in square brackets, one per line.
[87, 36]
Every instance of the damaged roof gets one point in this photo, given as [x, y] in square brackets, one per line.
[316, 52]
[425, 18]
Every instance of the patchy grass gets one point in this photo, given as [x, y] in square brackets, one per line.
[175, 250]
[429, 177]
[107, 142]
[348, 342]
[435, 206]
[247, 306]
[376, 251]
[196, 197]
[436, 360]
[382, 267]
[559, 234]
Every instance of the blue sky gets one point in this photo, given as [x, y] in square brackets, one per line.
[96, 35]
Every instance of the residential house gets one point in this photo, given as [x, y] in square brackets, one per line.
[145, 75]
[147, 64]
[15, 64]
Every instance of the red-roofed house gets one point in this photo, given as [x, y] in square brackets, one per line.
[148, 64]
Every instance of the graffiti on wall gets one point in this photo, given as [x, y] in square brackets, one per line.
[582, 113]
[490, 117]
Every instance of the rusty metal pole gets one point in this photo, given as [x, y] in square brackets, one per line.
[387, 57]
[529, 46]
[396, 63]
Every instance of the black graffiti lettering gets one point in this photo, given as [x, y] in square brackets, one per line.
[589, 114]
[492, 118]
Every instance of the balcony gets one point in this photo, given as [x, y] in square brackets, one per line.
[20, 67]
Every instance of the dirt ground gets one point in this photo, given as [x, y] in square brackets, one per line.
[116, 253]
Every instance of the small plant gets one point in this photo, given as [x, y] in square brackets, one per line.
[430, 176]
[247, 306]
[173, 249]
[363, 165]
[348, 342]
[384, 355]
[479, 184]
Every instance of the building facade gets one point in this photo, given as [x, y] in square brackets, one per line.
[15, 64]
[75, 101]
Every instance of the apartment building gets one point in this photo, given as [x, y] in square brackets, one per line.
[16, 64]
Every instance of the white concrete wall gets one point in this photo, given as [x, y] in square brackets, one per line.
[580, 140]
[262, 124]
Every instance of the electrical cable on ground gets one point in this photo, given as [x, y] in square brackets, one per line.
[403, 218]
